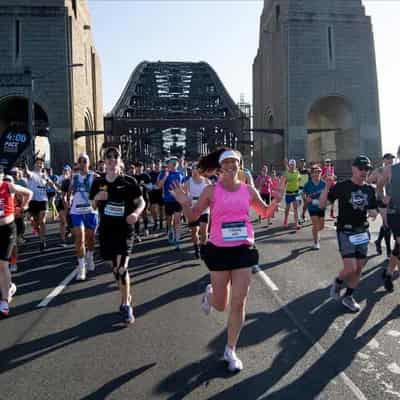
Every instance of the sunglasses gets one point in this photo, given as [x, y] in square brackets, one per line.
[112, 156]
[364, 168]
[316, 171]
[82, 161]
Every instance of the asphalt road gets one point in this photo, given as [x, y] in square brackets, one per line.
[296, 343]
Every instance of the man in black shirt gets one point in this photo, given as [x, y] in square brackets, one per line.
[144, 181]
[156, 197]
[120, 203]
[357, 201]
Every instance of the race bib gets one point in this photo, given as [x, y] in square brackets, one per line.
[359, 238]
[315, 202]
[83, 209]
[234, 231]
[41, 189]
[114, 210]
[1, 210]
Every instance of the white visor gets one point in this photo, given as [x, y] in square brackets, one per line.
[292, 162]
[228, 154]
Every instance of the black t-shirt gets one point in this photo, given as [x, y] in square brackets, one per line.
[354, 203]
[123, 194]
[65, 185]
[154, 177]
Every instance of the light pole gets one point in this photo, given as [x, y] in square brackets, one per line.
[31, 105]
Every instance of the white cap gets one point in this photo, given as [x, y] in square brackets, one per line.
[292, 162]
[83, 155]
[228, 154]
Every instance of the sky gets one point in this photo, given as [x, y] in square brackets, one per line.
[224, 34]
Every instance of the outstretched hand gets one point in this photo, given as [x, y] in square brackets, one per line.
[177, 190]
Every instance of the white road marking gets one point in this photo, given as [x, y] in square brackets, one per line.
[58, 289]
[393, 333]
[373, 344]
[393, 367]
[315, 343]
[265, 278]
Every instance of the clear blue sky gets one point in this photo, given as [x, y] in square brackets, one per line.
[224, 34]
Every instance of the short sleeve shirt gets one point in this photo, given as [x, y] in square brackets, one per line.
[314, 192]
[173, 177]
[123, 194]
[354, 203]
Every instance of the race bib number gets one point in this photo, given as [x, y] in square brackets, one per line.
[315, 202]
[234, 231]
[359, 238]
[41, 189]
[83, 209]
[114, 210]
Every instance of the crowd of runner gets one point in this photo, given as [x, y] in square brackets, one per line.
[113, 204]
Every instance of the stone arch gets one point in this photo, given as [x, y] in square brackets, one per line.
[14, 111]
[331, 112]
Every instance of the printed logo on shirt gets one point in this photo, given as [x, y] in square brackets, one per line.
[359, 200]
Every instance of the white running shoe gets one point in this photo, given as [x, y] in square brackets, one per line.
[234, 362]
[11, 292]
[81, 274]
[90, 264]
[205, 305]
[351, 304]
[13, 268]
[316, 246]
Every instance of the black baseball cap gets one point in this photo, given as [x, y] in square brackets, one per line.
[362, 161]
[388, 156]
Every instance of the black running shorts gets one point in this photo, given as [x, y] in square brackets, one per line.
[203, 218]
[115, 240]
[172, 207]
[35, 207]
[229, 258]
[8, 239]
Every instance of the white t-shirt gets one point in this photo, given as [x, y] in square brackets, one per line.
[37, 183]
[195, 190]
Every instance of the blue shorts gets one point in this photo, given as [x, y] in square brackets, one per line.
[88, 221]
[290, 198]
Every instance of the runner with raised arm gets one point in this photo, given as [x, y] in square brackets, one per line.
[230, 253]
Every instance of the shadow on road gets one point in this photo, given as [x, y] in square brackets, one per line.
[294, 346]
[115, 384]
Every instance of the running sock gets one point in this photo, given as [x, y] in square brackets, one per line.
[349, 292]
[89, 254]
[81, 262]
[177, 236]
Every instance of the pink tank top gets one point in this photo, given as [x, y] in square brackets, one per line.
[230, 220]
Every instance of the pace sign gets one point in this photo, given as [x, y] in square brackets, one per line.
[13, 143]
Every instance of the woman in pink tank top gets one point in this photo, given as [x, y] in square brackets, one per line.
[230, 253]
